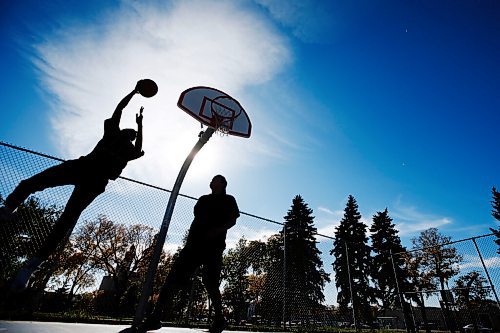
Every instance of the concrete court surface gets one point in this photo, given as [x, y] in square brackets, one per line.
[54, 327]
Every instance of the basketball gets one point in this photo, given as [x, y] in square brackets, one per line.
[147, 87]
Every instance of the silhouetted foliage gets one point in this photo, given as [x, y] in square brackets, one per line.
[385, 241]
[304, 278]
[495, 212]
[243, 272]
[236, 294]
[274, 289]
[22, 237]
[439, 263]
[304, 268]
[352, 263]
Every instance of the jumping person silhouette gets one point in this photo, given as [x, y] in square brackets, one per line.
[214, 214]
[90, 175]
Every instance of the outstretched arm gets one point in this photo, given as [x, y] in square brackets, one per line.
[138, 140]
[123, 103]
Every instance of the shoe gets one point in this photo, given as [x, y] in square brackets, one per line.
[20, 282]
[218, 325]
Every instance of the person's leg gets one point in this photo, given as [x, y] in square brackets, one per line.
[57, 238]
[211, 279]
[62, 174]
[178, 277]
[80, 199]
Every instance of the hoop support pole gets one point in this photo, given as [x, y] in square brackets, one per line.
[162, 234]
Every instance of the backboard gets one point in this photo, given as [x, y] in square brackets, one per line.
[216, 109]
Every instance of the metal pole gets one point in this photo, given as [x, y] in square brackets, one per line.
[486, 271]
[415, 326]
[350, 287]
[162, 234]
[284, 276]
[399, 291]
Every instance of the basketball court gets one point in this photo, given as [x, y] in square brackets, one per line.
[53, 327]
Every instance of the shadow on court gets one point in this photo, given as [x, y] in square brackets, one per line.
[50, 327]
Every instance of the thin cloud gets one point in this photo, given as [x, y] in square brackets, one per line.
[409, 220]
[308, 19]
[336, 213]
[325, 210]
[326, 225]
[250, 234]
[88, 68]
[475, 262]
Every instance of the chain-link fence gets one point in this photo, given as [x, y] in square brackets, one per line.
[450, 286]
[101, 270]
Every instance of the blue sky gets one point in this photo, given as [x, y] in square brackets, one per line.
[394, 102]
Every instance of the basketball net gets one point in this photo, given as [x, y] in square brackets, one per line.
[222, 119]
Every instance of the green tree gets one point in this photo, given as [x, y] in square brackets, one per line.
[273, 290]
[471, 291]
[385, 242]
[495, 212]
[73, 271]
[305, 275]
[257, 255]
[23, 236]
[118, 250]
[439, 263]
[388, 269]
[417, 284]
[294, 271]
[243, 273]
[352, 263]
[495, 203]
[235, 294]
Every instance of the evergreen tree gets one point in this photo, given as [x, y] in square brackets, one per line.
[495, 212]
[301, 283]
[352, 263]
[304, 273]
[385, 242]
[495, 203]
[388, 265]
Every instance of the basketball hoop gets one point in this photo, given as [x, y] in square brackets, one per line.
[217, 110]
[222, 115]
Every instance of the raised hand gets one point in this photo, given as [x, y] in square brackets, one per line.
[138, 117]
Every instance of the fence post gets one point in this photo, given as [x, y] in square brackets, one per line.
[486, 271]
[350, 286]
[401, 301]
[284, 276]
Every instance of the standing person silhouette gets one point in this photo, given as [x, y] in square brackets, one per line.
[90, 175]
[214, 214]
